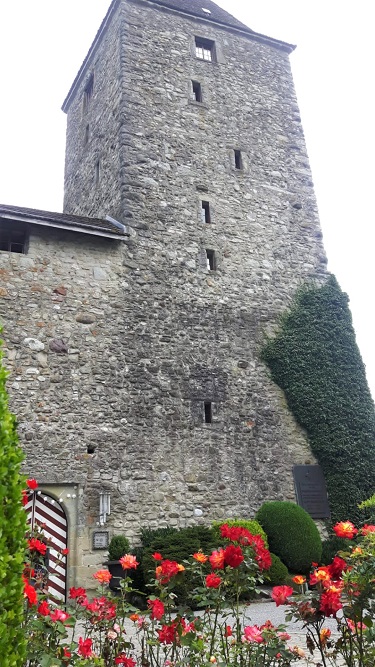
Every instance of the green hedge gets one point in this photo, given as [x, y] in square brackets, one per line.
[292, 534]
[12, 537]
[177, 545]
[315, 359]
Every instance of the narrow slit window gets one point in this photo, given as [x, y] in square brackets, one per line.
[211, 259]
[87, 134]
[205, 49]
[88, 91]
[208, 412]
[238, 159]
[97, 172]
[206, 214]
[197, 91]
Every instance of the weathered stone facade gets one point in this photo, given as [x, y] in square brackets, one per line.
[150, 334]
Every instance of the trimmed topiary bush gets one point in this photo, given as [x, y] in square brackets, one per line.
[292, 534]
[12, 537]
[118, 547]
[252, 526]
[278, 573]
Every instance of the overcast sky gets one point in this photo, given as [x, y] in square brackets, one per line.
[43, 43]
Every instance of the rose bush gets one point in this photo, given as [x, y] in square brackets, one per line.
[344, 591]
[95, 632]
[106, 631]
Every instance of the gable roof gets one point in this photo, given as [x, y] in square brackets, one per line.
[189, 7]
[197, 7]
[109, 228]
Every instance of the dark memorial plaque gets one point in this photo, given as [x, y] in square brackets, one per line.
[311, 491]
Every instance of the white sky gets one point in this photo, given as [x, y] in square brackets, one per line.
[43, 43]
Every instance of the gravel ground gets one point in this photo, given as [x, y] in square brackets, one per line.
[258, 613]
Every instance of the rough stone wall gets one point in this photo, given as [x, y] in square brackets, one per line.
[93, 136]
[168, 334]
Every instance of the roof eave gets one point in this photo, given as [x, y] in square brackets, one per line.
[259, 37]
[92, 231]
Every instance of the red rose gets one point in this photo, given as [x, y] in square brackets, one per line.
[85, 648]
[233, 556]
[213, 580]
[157, 556]
[123, 660]
[330, 603]
[167, 570]
[280, 594]
[157, 609]
[32, 484]
[168, 633]
[30, 593]
[77, 593]
[44, 609]
[37, 545]
[367, 528]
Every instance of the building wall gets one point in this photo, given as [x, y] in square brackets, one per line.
[158, 334]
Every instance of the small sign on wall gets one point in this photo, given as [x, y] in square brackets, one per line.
[311, 491]
[100, 539]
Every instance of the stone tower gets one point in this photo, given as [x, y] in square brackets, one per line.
[183, 126]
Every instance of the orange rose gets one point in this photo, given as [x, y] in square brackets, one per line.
[345, 529]
[129, 562]
[299, 579]
[325, 634]
[200, 557]
[103, 576]
[217, 559]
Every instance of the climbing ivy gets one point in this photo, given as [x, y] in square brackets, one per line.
[315, 359]
[12, 537]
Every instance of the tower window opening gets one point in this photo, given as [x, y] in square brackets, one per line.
[88, 91]
[211, 259]
[238, 159]
[87, 134]
[13, 239]
[208, 412]
[206, 215]
[205, 49]
[197, 91]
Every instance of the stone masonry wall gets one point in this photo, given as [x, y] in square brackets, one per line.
[167, 333]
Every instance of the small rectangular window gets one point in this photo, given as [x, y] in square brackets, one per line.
[238, 159]
[87, 134]
[197, 91]
[211, 259]
[208, 412]
[205, 49]
[206, 215]
[13, 238]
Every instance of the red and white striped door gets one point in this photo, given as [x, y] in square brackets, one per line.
[49, 515]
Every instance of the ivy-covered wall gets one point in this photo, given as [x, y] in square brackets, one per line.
[315, 359]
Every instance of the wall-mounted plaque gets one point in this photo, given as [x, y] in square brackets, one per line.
[100, 539]
[311, 491]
